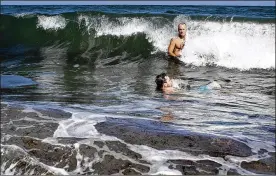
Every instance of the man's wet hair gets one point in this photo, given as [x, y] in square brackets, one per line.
[182, 23]
[160, 80]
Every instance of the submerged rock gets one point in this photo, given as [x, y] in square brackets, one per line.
[111, 165]
[75, 159]
[201, 167]
[25, 151]
[262, 166]
[39, 124]
[159, 136]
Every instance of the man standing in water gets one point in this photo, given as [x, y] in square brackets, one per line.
[178, 43]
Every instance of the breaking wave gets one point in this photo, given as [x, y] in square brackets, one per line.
[227, 42]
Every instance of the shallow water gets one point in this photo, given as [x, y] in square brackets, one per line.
[108, 77]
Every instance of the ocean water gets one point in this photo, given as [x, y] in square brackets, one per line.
[100, 62]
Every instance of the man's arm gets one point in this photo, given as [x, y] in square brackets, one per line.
[171, 48]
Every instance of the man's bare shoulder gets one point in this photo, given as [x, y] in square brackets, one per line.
[174, 38]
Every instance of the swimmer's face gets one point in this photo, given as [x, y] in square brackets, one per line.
[166, 85]
[182, 30]
[167, 82]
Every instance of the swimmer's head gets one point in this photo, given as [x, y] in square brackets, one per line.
[182, 28]
[182, 24]
[160, 80]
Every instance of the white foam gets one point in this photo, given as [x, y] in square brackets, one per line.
[26, 14]
[104, 26]
[119, 111]
[10, 170]
[126, 27]
[11, 149]
[87, 22]
[242, 45]
[213, 85]
[159, 165]
[178, 83]
[51, 22]
[163, 170]
[82, 125]
[230, 50]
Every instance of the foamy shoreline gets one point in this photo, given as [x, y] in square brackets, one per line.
[29, 148]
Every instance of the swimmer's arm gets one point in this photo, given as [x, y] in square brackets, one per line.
[171, 48]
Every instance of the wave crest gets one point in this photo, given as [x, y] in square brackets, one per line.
[231, 44]
[51, 22]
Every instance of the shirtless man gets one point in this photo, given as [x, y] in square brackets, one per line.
[178, 43]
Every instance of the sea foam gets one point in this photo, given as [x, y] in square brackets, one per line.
[51, 22]
[242, 45]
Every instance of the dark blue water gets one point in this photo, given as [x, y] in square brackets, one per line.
[218, 11]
